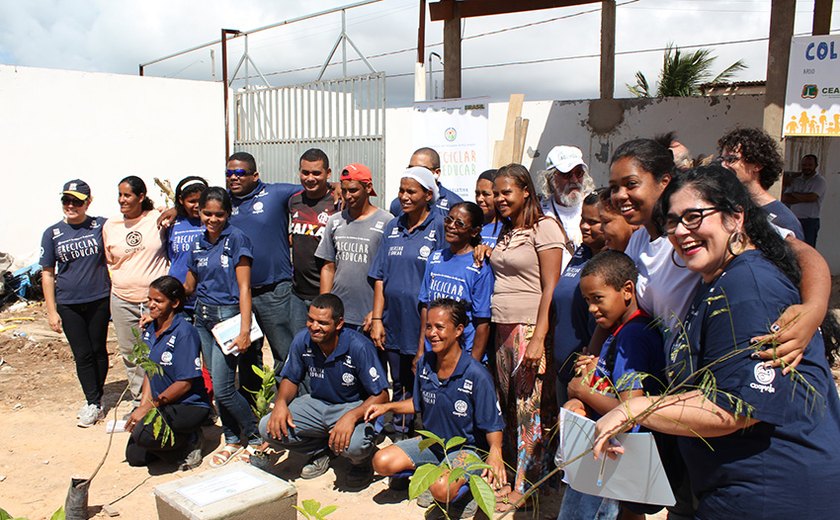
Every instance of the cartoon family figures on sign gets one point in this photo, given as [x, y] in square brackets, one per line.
[813, 125]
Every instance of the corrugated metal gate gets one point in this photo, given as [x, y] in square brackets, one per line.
[344, 117]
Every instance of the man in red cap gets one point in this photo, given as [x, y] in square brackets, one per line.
[348, 247]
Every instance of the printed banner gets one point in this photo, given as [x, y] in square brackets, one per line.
[812, 101]
[457, 129]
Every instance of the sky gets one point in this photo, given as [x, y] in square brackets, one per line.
[117, 35]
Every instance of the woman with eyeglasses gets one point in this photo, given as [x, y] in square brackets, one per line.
[451, 273]
[76, 289]
[135, 248]
[526, 262]
[755, 426]
[640, 171]
[397, 273]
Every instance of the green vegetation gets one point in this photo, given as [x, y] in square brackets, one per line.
[682, 74]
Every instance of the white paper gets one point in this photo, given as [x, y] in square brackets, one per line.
[227, 331]
[635, 476]
[115, 425]
[221, 487]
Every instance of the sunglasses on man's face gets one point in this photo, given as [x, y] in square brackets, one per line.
[72, 201]
[239, 172]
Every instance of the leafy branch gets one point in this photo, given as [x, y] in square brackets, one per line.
[312, 509]
[428, 474]
[140, 357]
[701, 380]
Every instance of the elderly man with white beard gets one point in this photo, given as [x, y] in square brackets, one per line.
[565, 183]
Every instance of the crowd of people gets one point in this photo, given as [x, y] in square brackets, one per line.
[475, 319]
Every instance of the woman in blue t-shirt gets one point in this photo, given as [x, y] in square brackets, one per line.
[451, 273]
[181, 237]
[76, 291]
[456, 396]
[396, 274]
[220, 277]
[186, 229]
[744, 427]
[484, 198]
[176, 390]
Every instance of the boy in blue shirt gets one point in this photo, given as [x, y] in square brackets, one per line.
[345, 378]
[634, 348]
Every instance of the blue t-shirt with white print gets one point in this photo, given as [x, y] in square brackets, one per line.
[263, 215]
[352, 372]
[78, 256]
[214, 266]
[454, 276]
[748, 473]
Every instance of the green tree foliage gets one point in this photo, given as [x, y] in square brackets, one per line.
[682, 74]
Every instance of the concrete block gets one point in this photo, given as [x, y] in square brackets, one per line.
[237, 491]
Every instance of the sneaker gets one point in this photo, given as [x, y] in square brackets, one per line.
[90, 415]
[316, 467]
[425, 499]
[79, 413]
[360, 475]
[463, 508]
[193, 458]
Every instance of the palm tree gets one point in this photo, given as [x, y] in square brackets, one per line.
[682, 75]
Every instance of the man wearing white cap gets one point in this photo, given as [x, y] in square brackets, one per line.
[565, 183]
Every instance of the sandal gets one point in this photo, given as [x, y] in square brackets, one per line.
[503, 491]
[507, 503]
[245, 455]
[224, 455]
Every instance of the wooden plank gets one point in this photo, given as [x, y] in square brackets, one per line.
[497, 155]
[514, 111]
[445, 9]
[519, 142]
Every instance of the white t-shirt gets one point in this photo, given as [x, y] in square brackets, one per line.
[664, 290]
[569, 218]
[816, 184]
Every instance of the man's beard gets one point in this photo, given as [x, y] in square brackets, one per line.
[571, 197]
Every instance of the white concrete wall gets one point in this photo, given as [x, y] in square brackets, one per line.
[59, 125]
[699, 122]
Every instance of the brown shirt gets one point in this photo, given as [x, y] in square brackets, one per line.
[517, 291]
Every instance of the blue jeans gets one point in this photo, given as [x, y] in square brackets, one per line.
[239, 424]
[810, 227]
[579, 506]
[402, 386]
[273, 309]
[314, 420]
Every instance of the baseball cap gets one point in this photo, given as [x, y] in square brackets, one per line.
[357, 172]
[77, 188]
[565, 158]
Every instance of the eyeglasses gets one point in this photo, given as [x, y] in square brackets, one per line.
[458, 223]
[690, 219]
[239, 172]
[730, 158]
[574, 172]
[72, 201]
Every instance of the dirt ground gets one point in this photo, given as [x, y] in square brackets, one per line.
[42, 448]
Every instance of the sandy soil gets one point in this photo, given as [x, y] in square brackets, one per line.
[42, 448]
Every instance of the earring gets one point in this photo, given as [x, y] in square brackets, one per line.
[738, 240]
[674, 260]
